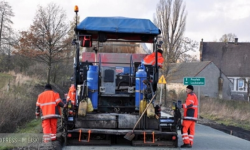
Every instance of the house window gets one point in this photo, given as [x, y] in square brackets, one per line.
[241, 85]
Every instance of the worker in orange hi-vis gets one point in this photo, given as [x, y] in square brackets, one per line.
[190, 115]
[150, 59]
[72, 94]
[47, 105]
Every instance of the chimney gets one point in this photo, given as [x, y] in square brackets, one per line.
[236, 41]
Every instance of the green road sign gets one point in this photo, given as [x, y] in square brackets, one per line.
[194, 81]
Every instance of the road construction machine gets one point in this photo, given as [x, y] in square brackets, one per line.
[116, 92]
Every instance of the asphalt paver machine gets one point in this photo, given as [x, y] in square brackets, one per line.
[114, 85]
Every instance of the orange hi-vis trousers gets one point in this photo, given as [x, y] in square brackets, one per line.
[49, 129]
[188, 131]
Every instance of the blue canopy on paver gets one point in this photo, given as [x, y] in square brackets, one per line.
[118, 25]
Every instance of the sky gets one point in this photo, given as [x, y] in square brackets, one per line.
[206, 19]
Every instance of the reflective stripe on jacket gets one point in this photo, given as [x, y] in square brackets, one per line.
[150, 59]
[48, 102]
[190, 107]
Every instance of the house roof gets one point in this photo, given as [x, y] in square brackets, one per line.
[177, 71]
[233, 59]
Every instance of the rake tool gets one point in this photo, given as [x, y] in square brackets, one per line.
[130, 135]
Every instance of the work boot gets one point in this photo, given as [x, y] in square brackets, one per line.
[186, 146]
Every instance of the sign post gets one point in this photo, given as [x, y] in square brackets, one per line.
[161, 81]
[195, 81]
[199, 100]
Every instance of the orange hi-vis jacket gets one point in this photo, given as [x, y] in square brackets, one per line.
[150, 59]
[190, 107]
[48, 103]
[72, 95]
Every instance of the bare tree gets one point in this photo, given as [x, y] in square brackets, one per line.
[5, 22]
[47, 39]
[188, 58]
[170, 17]
[230, 37]
[186, 45]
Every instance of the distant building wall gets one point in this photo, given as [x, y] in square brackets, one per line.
[226, 88]
[176, 91]
[211, 89]
[212, 74]
[177, 87]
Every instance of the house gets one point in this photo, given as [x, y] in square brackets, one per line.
[217, 84]
[233, 59]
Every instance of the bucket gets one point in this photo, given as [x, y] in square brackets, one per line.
[90, 106]
[82, 109]
[151, 111]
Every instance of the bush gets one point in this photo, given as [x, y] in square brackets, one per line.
[18, 105]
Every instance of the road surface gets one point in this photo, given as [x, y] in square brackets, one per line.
[206, 138]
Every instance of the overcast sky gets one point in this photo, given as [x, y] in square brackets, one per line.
[207, 19]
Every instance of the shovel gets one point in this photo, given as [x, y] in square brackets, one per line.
[130, 135]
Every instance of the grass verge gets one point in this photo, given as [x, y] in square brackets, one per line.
[25, 135]
[34, 126]
[227, 112]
